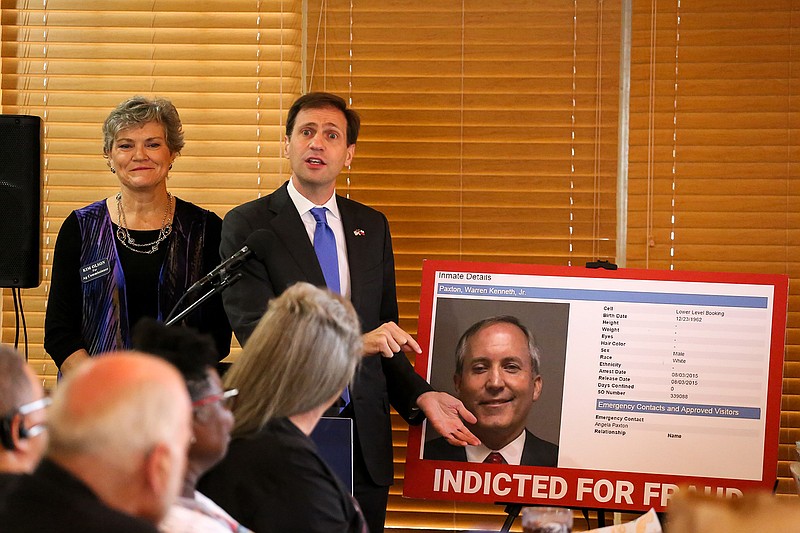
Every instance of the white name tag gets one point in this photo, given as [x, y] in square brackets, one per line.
[95, 270]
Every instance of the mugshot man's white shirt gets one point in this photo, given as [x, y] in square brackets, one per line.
[304, 206]
[512, 452]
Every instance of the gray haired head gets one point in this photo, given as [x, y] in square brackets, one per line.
[533, 349]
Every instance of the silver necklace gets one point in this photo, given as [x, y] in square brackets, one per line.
[124, 236]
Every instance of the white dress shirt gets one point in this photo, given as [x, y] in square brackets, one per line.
[511, 452]
[304, 206]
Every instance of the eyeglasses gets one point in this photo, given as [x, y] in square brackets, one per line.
[30, 407]
[224, 398]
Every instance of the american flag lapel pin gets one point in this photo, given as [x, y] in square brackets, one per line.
[358, 232]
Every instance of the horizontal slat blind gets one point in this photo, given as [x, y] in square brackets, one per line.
[722, 78]
[231, 67]
[467, 142]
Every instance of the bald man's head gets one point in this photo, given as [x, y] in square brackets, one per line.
[111, 417]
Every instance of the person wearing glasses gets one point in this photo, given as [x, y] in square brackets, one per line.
[119, 430]
[195, 356]
[299, 358]
[22, 426]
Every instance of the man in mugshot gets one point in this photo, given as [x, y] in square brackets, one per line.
[497, 378]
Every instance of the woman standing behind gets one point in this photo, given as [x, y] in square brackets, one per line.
[294, 366]
[135, 253]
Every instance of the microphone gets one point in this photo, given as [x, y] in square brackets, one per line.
[254, 246]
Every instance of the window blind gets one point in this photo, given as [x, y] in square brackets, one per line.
[714, 151]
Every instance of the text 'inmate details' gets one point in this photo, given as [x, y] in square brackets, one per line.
[665, 374]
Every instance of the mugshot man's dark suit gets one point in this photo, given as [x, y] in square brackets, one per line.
[287, 256]
[537, 452]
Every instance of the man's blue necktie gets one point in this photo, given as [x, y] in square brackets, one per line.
[325, 248]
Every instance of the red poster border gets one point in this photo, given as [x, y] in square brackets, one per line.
[542, 485]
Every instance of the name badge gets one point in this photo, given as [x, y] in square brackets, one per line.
[95, 270]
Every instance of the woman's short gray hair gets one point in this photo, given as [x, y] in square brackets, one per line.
[304, 350]
[138, 111]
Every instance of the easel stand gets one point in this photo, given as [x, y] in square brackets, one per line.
[512, 510]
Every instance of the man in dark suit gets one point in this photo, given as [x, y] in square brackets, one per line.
[321, 133]
[497, 377]
[119, 431]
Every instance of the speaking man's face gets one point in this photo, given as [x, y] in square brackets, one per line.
[318, 150]
[497, 383]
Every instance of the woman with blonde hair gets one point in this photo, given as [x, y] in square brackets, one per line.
[295, 365]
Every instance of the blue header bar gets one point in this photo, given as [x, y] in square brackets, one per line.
[686, 409]
[550, 293]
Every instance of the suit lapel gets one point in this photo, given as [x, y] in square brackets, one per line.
[532, 453]
[289, 228]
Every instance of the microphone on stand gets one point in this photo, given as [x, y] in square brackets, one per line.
[253, 243]
[222, 276]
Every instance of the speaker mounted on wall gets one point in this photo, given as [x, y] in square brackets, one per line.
[20, 201]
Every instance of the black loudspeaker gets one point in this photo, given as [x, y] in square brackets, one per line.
[20, 201]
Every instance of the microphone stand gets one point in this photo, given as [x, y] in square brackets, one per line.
[224, 283]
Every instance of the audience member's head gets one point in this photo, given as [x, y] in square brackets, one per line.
[497, 377]
[23, 432]
[300, 357]
[195, 356]
[121, 424]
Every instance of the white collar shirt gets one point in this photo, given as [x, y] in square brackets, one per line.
[511, 452]
[304, 206]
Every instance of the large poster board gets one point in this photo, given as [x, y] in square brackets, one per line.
[651, 380]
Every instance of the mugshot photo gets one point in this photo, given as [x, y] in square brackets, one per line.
[505, 361]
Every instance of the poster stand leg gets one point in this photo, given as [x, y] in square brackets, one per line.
[601, 516]
[512, 510]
